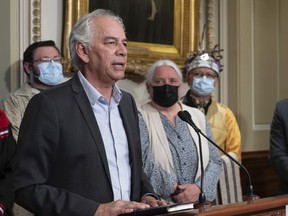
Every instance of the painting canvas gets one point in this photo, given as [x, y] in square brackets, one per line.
[148, 21]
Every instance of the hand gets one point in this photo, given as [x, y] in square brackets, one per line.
[186, 193]
[118, 207]
[152, 201]
[176, 190]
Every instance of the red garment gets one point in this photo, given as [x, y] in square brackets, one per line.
[4, 124]
[3, 209]
[7, 164]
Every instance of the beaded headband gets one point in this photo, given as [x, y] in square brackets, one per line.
[205, 58]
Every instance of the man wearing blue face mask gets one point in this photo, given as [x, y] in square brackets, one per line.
[50, 71]
[42, 64]
[202, 75]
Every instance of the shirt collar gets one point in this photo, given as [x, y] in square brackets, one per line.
[94, 95]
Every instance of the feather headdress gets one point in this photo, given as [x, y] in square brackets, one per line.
[209, 58]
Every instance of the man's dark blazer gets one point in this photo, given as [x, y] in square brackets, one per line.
[62, 166]
[279, 144]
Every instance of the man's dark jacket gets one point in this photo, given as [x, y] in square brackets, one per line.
[63, 169]
[279, 144]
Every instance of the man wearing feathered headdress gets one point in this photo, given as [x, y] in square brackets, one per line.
[202, 75]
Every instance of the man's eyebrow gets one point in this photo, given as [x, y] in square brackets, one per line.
[115, 38]
[110, 37]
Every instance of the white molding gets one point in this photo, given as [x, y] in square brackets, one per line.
[223, 38]
[51, 20]
[261, 127]
[255, 126]
[24, 34]
[264, 127]
[278, 50]
[14, 44]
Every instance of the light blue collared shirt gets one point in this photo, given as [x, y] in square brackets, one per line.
[114, 137]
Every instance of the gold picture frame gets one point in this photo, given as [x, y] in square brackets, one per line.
[141, 55]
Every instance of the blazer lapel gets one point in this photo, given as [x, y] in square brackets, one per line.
[127, 129]
[87, 112]
[125, 109]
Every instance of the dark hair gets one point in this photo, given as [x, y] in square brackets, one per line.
[28, 54]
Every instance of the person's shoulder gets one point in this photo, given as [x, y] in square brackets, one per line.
[225, 109]
[59, 94]
[222, 105]
[17, 93]
[283, 102]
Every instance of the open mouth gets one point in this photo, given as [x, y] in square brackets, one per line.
[119, 65]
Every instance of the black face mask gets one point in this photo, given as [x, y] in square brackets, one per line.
[165, 95]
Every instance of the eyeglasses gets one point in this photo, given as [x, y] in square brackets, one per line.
[199, 74]
[48, 60]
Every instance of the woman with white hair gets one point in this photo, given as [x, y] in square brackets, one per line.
[170, 147]
[202, 70]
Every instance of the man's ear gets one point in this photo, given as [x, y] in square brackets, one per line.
[216, 82]
[27, 68]
[81, 51]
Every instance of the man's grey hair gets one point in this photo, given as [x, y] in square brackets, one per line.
[154, 66]
[83, 32]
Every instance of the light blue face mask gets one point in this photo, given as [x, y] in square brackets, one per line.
[203, 86]
[51, 73]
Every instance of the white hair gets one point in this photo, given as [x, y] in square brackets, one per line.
[83, 32]
[154, 66]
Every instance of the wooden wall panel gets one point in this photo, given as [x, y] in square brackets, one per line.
[264, 178]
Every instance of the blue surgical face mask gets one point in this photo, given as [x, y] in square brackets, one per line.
[203, 86]
[51, 73]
